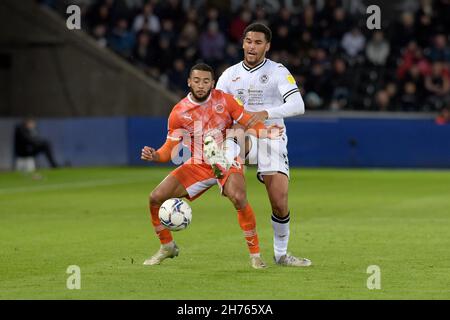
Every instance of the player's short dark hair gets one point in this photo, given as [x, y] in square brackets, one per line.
[202, 67]
[259, 27]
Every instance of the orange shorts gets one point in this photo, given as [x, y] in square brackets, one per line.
[198, 178]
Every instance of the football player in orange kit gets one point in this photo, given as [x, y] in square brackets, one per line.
[195, 119]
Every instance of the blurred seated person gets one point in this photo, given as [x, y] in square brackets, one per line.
[28, 144]
[443, 117]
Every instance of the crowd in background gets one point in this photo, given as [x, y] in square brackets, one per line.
[339, 64]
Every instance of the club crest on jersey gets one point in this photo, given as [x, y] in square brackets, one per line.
[264, 78]
[219, 108]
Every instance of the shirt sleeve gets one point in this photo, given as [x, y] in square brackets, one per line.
[292, 100]
[234, 106]
[173, 125]
[222, 82]
[286, 82]
[173, 137]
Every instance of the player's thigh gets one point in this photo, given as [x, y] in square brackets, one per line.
[235, 184]
[170, 187]
[195, 178]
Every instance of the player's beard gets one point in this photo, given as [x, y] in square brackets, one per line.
[252, 61]
[200, 99]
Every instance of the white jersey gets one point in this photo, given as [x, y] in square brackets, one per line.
[268, 86]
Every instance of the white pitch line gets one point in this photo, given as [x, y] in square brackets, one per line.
[70, 185]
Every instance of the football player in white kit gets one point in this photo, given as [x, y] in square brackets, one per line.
[270, 93]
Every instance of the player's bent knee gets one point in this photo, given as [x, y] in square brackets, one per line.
[239, 199]
[156, 197]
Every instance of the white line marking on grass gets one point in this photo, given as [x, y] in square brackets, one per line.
[71, 185]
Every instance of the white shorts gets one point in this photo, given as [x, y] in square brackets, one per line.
[271, 156]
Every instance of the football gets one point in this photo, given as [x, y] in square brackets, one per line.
[175, 214]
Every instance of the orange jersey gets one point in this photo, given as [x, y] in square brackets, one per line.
[191, 121]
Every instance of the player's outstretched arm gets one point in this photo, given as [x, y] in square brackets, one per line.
[258, 129]
[163, 154]
[149, 154]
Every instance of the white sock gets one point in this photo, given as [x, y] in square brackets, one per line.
[168, 245]
[232, 149]
[280, 235]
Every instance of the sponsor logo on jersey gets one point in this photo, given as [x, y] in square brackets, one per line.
[264, 78]
[236, 79]
[187, 116]
[239, 101]
[290, 79]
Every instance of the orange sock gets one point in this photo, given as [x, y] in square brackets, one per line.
[163, 234]
[247, 221]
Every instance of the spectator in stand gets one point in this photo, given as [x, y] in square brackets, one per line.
[353, 42]
[212, 45]
[440, 51]
[99, 34]
[121, 40]
[309, 22]
[392, 91]
[177, 77]
[320, 32]
[282, 39]
[320, 56]
[426, 26]
[443, 117]
[261, 15]
[413, 56]
[437, 85]
[192, 17]
[238, 25]
[100, 14]
[170, 10]
[382, 101]
[168, 31]
[413, 75]
[143, 55]
[340, 84]
[337, 25]
[306, 46]
[147, 20]
[285, 18]
[213, 15]
[377, 50]
[404, 32]
[408, 100]
[316, 86]
[188, 37]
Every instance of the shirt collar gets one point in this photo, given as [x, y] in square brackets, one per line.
[253, 69]
[191, 100]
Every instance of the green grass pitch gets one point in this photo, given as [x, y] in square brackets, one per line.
[343, 220]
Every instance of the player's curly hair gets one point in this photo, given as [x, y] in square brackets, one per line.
[202, 67]
[259, 27]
